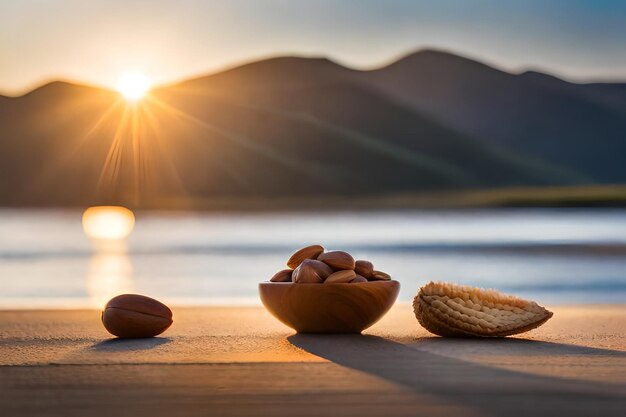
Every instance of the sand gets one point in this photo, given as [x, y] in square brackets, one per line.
[242, 362]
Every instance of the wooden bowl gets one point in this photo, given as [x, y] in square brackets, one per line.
[329, 308]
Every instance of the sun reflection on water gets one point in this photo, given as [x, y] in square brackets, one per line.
[108, 223]
[109, 274]
[110, 270]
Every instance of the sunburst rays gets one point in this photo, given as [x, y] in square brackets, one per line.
[140, 152]
[112, 163]
[287, 161]
[138, 139]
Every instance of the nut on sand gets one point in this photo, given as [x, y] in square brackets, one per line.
[462, 311]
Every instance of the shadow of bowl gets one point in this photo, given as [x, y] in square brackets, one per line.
[329, 308]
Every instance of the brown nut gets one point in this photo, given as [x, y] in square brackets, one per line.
[338, 260]
[344, 276]
[358, 279]
[380, 276]
[309, 252]
[364, 268]
[133, 315]
[282, 276]
[305, 273]
[320, 267]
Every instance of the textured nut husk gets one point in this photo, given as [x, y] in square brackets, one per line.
[338, 260]
[338, 277]
[358, 279]
[379, 276]
[133, 315]
[306, 274]
[309, 252]
[364, 268]
[461, 311]
[282, 276]
[320, 267]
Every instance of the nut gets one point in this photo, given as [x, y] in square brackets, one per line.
[338, 260]
[305, 273]
[380, 276]
[133, 315]
[364, 268]
[309, 252]
[282, 276]
[320, 267]
[344, 276]
[456, 310]
[332, 267]
[358, 279]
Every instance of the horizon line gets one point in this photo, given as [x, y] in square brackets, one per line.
[231, 66]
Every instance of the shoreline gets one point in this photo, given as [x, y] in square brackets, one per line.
[611, 196]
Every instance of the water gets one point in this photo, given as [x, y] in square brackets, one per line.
[551, 255]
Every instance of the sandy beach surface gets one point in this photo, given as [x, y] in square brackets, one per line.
[240, 361]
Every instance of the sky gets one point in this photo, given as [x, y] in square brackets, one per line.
[96, 42]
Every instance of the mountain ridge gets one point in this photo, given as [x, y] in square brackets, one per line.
[304, 127]
[416, 53]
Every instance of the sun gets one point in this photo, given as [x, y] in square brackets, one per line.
[134, 85]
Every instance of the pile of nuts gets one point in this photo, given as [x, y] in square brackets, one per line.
[312, 265]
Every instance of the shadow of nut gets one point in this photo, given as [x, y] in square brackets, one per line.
[133, 315]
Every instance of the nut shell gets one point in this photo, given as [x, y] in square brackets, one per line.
[358, 279]
[320, 267]
[308, 252]
[306, 273]
[364, 268]
[133, 315]
[379, 276]
[462, 311]
[282, 276]
[338, 277]
[338, 260]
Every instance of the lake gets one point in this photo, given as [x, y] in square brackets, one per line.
[550, 255]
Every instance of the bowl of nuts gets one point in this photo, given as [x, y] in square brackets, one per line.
[328, 292]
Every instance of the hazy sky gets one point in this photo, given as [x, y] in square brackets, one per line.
[97, 41]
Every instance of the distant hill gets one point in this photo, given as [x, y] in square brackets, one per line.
[581, 127]
[309, 127]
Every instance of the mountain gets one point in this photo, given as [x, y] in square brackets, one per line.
[577, 126]
[307, 127]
